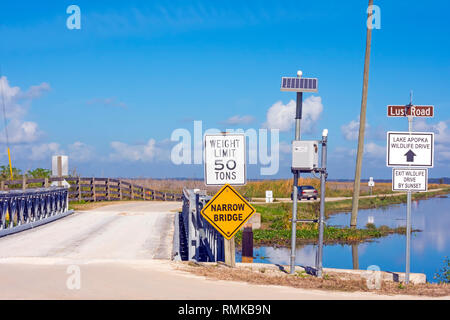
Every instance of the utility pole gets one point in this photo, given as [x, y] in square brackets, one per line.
[408, 204]
[362, 125]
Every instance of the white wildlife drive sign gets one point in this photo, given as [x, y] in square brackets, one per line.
[406, 179]
[225, 159]
[410, 149]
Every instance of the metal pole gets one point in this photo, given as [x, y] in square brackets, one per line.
[408, 221]
[362, 127]
[323, 177]
[408, 236]
[298, 117]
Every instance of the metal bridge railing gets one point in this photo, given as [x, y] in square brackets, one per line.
[26, 209]
[199, 240]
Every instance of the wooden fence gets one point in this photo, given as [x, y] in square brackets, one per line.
[95, 189]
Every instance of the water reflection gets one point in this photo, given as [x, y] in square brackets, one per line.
[429, 247]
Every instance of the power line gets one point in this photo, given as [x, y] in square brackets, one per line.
[4, 107]
[5, 122]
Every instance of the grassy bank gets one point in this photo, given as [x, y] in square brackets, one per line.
[275, 223]
[310, 210]
[380, 201]
[307, 234]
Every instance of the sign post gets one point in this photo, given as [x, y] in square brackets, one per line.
[230, 252]
[371, 184]
[410, 149]
[269, 196]
[298, 85]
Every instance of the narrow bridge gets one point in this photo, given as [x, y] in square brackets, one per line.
[40, 238]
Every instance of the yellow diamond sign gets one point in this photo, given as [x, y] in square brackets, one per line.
[227, 211]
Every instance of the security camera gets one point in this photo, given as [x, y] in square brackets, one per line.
[299, 73]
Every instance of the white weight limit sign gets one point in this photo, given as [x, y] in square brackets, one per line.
[225, 161]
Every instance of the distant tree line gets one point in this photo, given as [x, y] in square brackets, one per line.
[5, 173]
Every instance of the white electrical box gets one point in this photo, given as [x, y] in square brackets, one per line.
[305, 155]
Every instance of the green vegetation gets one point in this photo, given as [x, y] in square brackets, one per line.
[5, 173]
[38, 173]
[309, 233]
[282, 188]
[443, 275]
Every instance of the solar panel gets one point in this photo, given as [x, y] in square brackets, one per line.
[299, 84]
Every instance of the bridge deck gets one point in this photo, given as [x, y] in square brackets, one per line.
[137, 230]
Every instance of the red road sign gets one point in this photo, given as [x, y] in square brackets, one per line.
[415, 111]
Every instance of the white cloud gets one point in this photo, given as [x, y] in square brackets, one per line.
[10, 96]
[343, 152]
[374, 151]
[142, 152]
[235, 120]
[440, 129]
[282, 117]
[9, 93]
[21, 132]
[441, 137]
[35, 91]
[442, 153]
[45, 151]
[81, 152]
[285, 147]
[350, 131]
[17, 104]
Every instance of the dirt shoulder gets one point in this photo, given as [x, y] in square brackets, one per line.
[330, 282]
[335, 199]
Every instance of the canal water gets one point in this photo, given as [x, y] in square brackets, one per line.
[428, 251]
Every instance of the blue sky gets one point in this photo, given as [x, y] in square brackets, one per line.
[110, 94]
